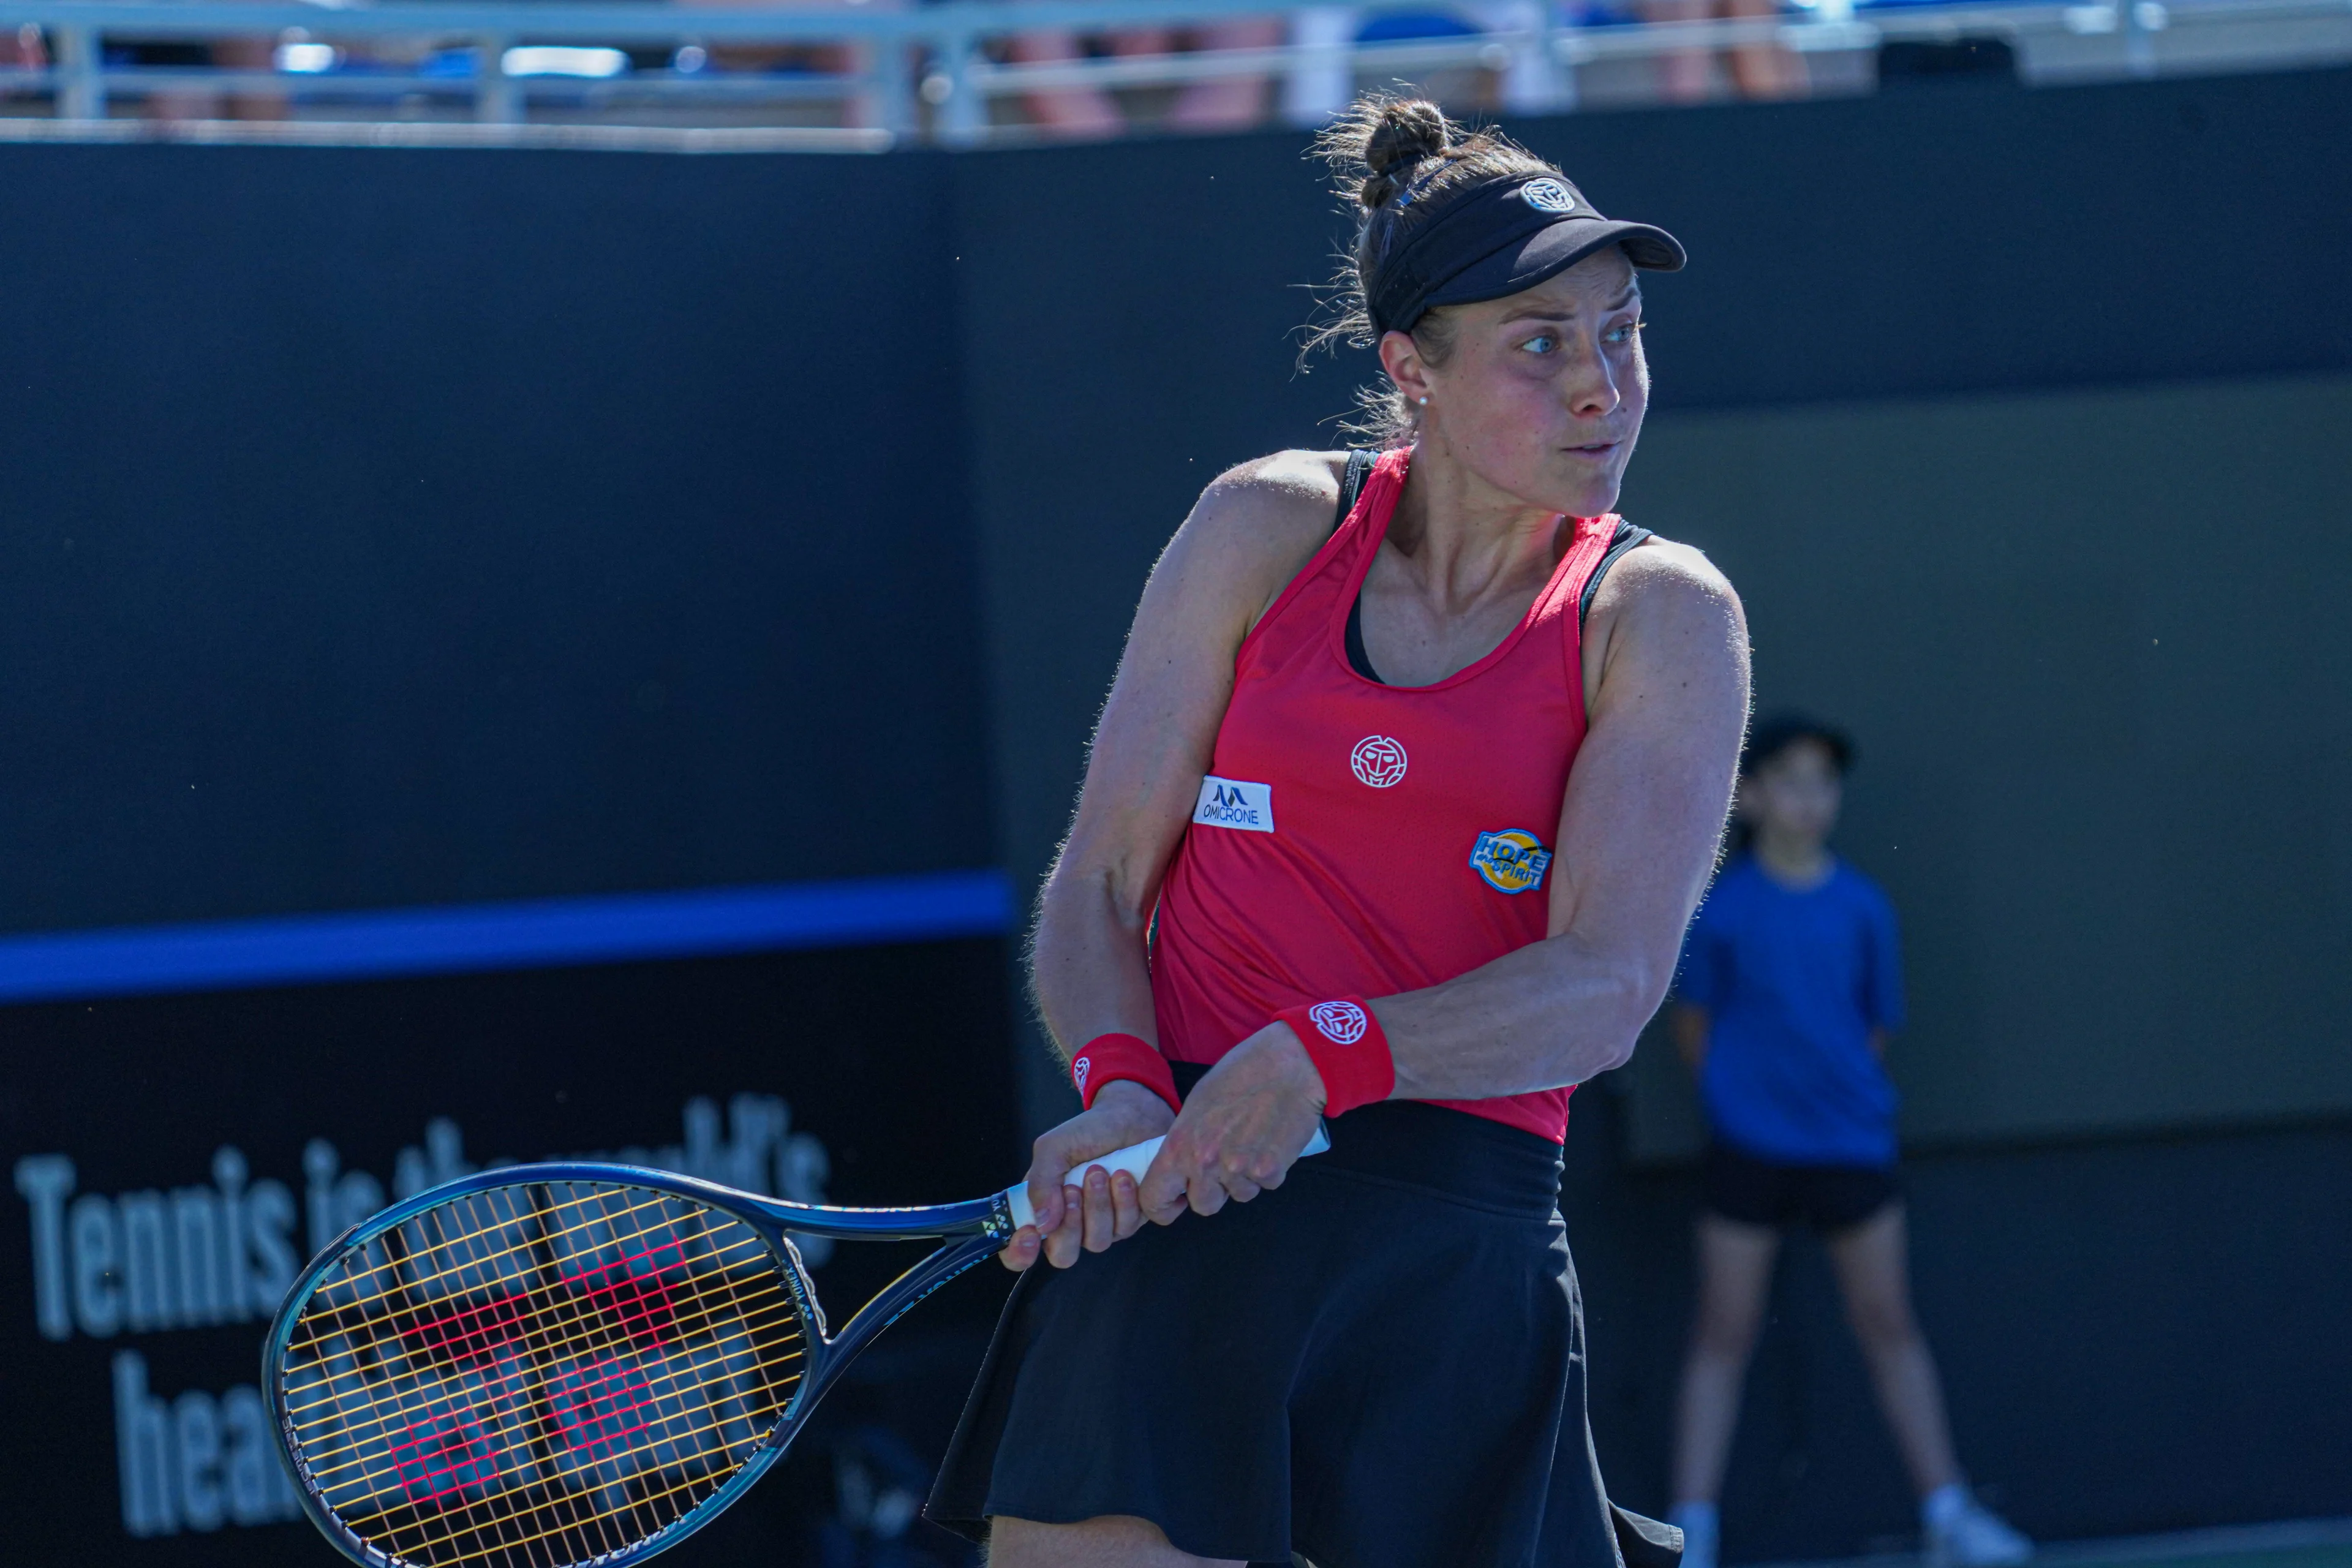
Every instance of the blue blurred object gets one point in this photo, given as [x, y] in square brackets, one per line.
[1596, 14]
[1397, 25]
[529, 933]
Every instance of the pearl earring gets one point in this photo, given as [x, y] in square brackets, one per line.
[1423, 400]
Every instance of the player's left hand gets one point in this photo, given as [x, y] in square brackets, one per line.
[1240, 1129]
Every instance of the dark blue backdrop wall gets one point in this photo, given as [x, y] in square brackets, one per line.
[419, 531]
[388, 529]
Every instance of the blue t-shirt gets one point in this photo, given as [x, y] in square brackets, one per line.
[1793, 984]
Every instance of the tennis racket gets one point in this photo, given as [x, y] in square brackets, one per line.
[548, 1365]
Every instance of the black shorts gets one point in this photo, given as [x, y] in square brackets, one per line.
[1378, 1364]
[1740, 1186]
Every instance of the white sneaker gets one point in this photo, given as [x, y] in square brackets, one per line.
[1964, 1533]
[1697, 1521]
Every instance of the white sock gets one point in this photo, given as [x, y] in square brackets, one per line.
[1945, 1504]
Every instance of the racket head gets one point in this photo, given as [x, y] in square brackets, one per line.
[539, 1367]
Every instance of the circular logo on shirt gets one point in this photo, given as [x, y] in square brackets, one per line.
[1511, 860]
[1341, 1022]
[1547, 196]
[1379, 761]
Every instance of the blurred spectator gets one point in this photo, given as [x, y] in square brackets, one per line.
[1757, 71]
[1790, 984]
[1322, 84]
[23, 49]
[847, 59]
[1217, 103]
[193, 99]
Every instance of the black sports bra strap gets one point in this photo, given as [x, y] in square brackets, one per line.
[1351, 483]
[1624, 539]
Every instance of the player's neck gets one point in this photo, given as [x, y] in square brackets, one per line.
[1465, 540]
[1795, 862]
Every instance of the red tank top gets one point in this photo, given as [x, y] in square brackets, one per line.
[1367, 839]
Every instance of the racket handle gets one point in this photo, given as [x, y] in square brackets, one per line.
[1135, 1159]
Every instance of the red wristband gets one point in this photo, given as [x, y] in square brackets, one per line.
[1349, 1048]
[1107, 1058]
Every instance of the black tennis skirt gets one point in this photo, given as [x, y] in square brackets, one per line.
[1378, 1364]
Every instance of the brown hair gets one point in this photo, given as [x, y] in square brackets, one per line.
[1391, 157]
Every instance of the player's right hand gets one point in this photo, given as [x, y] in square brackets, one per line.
[1071, 1219]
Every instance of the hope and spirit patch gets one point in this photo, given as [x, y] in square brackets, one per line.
[1236, 804]
[1511, 860]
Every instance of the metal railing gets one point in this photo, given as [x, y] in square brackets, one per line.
[931, 72]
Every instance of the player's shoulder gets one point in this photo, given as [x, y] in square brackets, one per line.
[1669, 600]
[1256, 526]
[1282, 499]
[1665, 572]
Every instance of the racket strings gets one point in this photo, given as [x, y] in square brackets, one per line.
[504, 1376]
[584, 1328]
[372, 1279]
[501, 1526]
[356, 1454]
[510, 1383]
[387, 1283]
[462, 1473]
[567, 1370]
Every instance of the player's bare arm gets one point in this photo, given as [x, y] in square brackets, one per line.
[1249, 534]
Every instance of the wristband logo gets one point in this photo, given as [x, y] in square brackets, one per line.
[1379, 761]
[1511, 860]
[1341, 1022]
[1078, 1070]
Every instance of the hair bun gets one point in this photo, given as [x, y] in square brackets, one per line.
[1406, 133]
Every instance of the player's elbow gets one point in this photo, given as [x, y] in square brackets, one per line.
[1614, 1053]
[1636, 988]
[1594, 1005]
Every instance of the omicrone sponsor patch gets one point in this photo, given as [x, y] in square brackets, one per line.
[1236, 804]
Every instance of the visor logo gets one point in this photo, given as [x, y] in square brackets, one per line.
[1379, 761]
[1341, 1022]
[1512, 860]
[1547, 196]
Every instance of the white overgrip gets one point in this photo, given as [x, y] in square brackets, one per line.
[1135, 1159]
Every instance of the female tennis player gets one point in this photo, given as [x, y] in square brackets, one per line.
[1396, 823]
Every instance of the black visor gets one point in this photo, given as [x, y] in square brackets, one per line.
[1500, 237]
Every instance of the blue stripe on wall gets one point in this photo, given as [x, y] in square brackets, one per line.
[542, 933]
